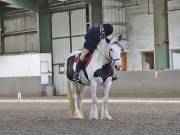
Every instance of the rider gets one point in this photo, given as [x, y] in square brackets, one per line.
[92, 39]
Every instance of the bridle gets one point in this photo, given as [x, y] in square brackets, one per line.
[111, 58]
[114, 60]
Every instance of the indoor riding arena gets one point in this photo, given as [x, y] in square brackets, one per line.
[37, 39]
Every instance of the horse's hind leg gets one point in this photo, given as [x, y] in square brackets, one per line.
[74, 95]
[80, 97]
[104, 111]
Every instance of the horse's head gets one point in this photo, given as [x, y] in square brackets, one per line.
[115, 50]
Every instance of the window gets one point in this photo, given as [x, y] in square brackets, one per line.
[175, 59]
[148, 60]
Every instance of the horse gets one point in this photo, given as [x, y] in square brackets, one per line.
[104, 62]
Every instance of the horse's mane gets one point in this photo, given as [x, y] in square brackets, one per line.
[103, 48]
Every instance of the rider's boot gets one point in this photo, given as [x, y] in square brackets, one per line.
[114, 77]
[76, 73]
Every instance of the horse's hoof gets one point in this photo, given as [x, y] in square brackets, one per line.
[107, 117]
[93, 117]
[81, 114]
[78, 116]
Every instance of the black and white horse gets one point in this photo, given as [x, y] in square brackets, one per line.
[99, 71]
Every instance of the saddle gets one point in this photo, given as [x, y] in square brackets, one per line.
[75, 58]
[86, 60]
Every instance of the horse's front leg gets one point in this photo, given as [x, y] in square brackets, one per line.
[74, 95]
[104, 111]
[94, 111]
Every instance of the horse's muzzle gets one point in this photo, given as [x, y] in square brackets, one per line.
[117, 67]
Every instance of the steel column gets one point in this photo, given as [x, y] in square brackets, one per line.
[44, 23]
[2, 44]
[95, 8]
[161, 35]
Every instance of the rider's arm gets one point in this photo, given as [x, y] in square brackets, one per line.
[93, 35]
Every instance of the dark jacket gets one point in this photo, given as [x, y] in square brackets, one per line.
[93, 37]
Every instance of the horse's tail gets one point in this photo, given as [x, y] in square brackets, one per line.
[70, 73]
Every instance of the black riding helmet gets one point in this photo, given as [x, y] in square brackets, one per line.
[108, 29]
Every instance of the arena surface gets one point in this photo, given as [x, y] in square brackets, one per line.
[51, 118]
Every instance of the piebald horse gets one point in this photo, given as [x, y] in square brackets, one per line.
[105, 59]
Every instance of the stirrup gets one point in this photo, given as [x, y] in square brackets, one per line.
[76, 77]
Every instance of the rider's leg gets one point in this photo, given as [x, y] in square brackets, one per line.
[79, 65]
[114, 77]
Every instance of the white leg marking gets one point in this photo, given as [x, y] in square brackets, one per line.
[94, 111]
[80, 97]
[104, 111]
[74, 95]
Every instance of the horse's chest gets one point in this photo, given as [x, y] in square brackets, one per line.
[105, 72]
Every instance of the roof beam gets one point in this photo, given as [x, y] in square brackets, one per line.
[27, 4]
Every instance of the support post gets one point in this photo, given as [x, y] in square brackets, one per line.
[95, 8]
[44, 25]
[161, 35]
[2, 47]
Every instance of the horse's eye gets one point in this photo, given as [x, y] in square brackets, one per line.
[111, 49]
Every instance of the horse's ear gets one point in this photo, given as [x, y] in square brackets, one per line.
[108, 40]
[120, 37]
